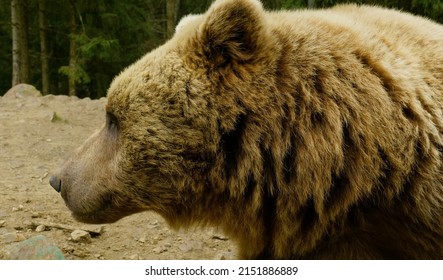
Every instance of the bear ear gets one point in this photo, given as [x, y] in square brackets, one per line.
[232, 32]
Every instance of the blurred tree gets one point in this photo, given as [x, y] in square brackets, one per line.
[172, 7]
[44, 55]
[20, 50]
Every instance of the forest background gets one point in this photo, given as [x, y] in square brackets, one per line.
[76, 47]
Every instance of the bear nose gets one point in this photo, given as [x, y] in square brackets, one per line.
[56, 183]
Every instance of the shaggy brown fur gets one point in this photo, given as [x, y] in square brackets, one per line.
[309, 134]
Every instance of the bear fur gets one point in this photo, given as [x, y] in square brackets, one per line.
[303, 134]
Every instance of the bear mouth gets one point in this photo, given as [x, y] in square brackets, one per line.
[99, 217]
[105, 213]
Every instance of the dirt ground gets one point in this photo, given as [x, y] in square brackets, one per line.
[36, 133]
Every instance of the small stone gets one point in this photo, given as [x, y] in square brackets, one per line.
[36, 215]
[40, 228]
[185, 248]
[20, 237]
[79, 235]
[159, 250]
[2, 222]
[9, 237]
[19, 208]
[153, 225]
[12, 237]
[22, 91]
[142, 240]
[93, 229]
[133, 257]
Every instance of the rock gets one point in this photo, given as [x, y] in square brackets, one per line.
[159, 250]
[19, 208]
[2, 222]
[153, 225]
[93, 229]
[36, 215]
[22, 91]
[133, 257]
[40, 228]
[225, 256]
[191, 246]
[36, 248]
[185, 248]
[12, 237]
[97, 256]
[79, 235]
[142, 240]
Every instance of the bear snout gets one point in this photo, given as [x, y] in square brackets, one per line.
[56, 183]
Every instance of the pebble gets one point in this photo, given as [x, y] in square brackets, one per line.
[191, 246]
[40, 228]
[94, 229]
[35, 215]
[142, 240]
[97, 256]
[153, 225]
[12, 237]
[2, 222]
[19, 208]
[159, 250]
[133, 257]
[79, 235]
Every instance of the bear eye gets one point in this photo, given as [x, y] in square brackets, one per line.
[111, 122]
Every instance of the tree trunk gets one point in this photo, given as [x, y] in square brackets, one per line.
[72, 50]
[44, 55]
[20, 50]
[171, 16]
[24, 45]
[15, 44]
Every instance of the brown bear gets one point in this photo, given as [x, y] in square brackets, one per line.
[303, 134]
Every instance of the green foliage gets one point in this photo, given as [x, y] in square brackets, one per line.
[95, 48]
[75, 72]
